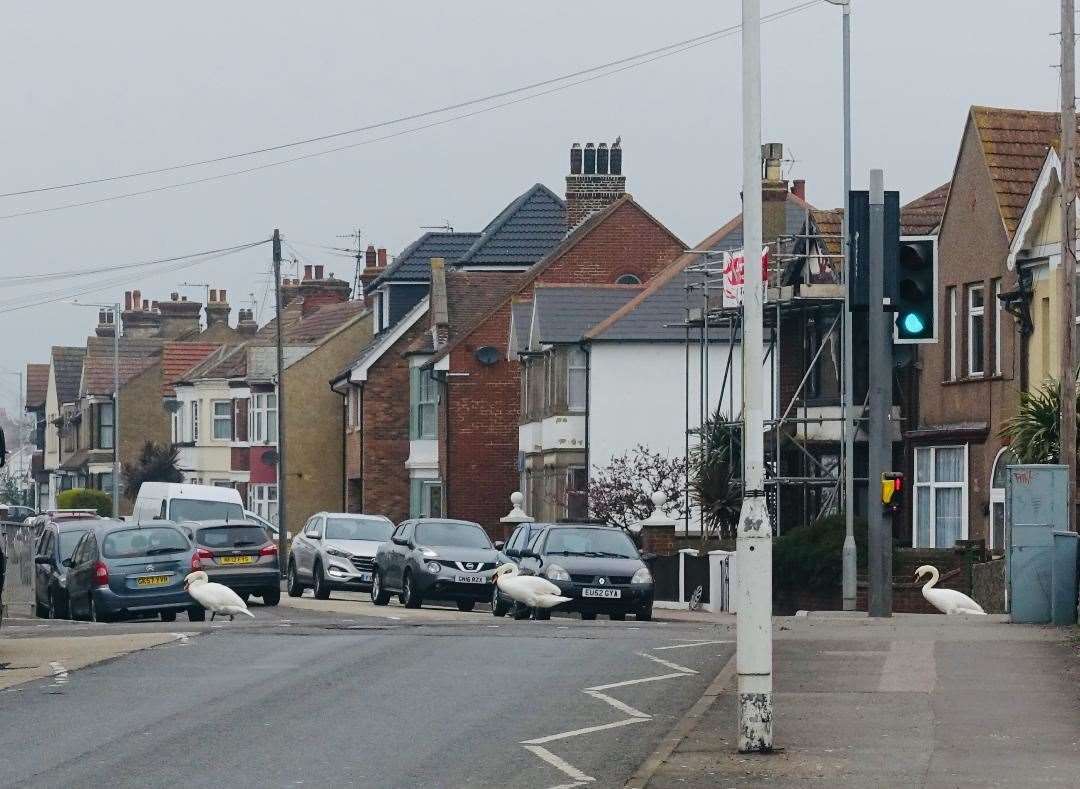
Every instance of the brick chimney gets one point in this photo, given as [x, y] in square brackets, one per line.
[798, 188]
[217, 309]
[374, 265]
[138, 320]
[317, 290]
[774, 191]
[105, 326]
[179, 317]
[290, 288]
[245, 323]
[595, 180]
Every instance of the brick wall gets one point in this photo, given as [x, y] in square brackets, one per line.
[142, 418]
[354, 461]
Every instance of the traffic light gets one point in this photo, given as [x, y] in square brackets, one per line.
[892, 486]
[915, 291]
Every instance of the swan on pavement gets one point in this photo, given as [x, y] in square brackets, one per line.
[948, 601]
[530, 590]
[216, 598]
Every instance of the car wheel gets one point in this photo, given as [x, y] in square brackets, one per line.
[168, 616]
[409, 597]
[321, 588]
[41, 611]
[379, 595]
[588, 616]
[520, 611]
[292, 584]
[644, 613]
[196, 614]
[272, 596]
[498, 607]
[466, 605]
[541, 614]
[617, 616]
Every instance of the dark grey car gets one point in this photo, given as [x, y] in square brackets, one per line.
[56, 544]
[239, 555]
[120, 569]
[435, 559]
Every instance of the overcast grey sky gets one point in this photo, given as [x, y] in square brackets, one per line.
[97, 89]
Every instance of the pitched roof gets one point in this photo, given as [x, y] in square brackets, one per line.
[1014, 144]
[324, 321]
[471, 295]
[413, 264]
[795, 210]
[565, 312]
[228, 361]
[37, 385]
[179, 357]
[522, 233]
[135, 355]
[67, 364]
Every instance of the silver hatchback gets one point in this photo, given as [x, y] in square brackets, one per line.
[336, 550]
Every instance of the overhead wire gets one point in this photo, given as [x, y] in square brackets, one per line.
[709, 38]
[679, 46]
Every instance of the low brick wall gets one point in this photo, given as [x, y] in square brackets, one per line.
[988, 585]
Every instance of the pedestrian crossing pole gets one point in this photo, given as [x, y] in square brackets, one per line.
[754, 539]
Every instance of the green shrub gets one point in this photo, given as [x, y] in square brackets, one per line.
[810, 558]
[85, 499]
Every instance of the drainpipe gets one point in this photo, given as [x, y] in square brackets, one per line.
[344, 437]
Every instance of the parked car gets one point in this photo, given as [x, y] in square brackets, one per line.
[179, 501]
[121, 569]
[520, 539]
[598, 567]
[270, 528]
[435, 558]
[336, 550]
[16, 513]
[239, 555]
[39, 522]
[55, 545]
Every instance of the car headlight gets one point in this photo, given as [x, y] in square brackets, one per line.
[642, 576]
[556, 573]
[433, 567]
[427, 553]
[336, 552]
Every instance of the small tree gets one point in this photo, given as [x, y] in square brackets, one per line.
[85, 499]
[621, 492]
[156, 463]
[1035, 430]
[716, 478]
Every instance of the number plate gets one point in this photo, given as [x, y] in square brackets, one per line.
[606, 593]
[365, 576]
[470, 579]
[235, 559]
[152, 580]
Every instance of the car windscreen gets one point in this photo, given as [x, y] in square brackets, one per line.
[199, 510]
[610, 543]
[69, 538]
[374, 529]
[452, 535]
[239, 536]
[133, 543]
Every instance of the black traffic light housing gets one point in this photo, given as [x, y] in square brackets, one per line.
[915, 293]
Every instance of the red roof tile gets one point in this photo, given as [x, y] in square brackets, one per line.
[179, 357]
[135, 356]
[37, 385]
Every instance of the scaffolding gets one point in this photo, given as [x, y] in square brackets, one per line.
[805, 424]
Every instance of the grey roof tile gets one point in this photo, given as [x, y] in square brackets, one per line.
[414, 262]
[67, 364]
[564, 314]
[522, 233]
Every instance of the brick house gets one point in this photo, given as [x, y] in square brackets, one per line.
[36, 391]
[970, 380]
[61, 431]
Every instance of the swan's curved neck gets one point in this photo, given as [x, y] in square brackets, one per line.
[934, 576]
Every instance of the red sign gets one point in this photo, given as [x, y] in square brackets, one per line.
[735, 275]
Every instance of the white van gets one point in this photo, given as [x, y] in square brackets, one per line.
[179, 501]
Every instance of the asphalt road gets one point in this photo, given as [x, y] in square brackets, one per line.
[304, 698]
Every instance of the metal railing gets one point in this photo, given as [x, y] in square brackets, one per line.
[17, 541]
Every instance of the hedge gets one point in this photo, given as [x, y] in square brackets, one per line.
[85, 499]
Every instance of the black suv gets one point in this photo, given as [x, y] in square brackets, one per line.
[56, 544]
[435, 558]
[598, 567]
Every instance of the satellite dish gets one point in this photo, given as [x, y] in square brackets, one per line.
[270, 457]
[487, 355]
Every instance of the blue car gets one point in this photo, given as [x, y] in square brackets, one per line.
[121, 569]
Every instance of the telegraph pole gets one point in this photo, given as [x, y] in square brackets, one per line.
[1067, 271]
[879, 542]
[281, 484]
[754, 540]
[116, 412]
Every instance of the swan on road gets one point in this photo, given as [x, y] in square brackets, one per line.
[215, 598]
[947, 601]
[530, 590]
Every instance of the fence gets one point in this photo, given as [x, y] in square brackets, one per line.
[17, 541]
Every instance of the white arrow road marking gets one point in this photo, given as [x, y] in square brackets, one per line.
[695, 644]
[616, 704]
[570, 786]
[587, 730]
[624, 683]
[560, 764]
[667, 663]
[59, 673]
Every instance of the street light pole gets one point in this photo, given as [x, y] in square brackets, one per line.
[116, 412]
[1067, 273]
[754, 540]
[283, 543]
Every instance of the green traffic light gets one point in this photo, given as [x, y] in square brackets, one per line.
[913, 323]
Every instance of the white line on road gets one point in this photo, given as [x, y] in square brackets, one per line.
[624, 683]
[560, 764]
[587, 730]
[695, 644]
[622, 707]
[570, 786]
[667, 663]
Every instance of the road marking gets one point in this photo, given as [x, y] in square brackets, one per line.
[853, 652]
[560, 764]
[570, 786]
[667, 663]
[624, 683]
[621, 706]
[909, 668]
[587, 730]
[59, 673]
[182, 638]
[695, 644]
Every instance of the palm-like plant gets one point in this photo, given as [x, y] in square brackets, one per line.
[1034, 433]
[716, 483]
[156, 463]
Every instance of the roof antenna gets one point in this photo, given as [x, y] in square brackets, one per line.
[446, 227]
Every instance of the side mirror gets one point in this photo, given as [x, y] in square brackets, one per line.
[513, 552]
[67, 563]
[43, 559]
[399, 540]
[315, 537]
[499, 545]
[528, 554]
[648, 556]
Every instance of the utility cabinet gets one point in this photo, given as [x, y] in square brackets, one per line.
[1036, 505]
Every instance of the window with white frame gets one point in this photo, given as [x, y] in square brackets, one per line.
[427, 395]
[940, 496]
[263, 419]
[953, 331]
[105, 426]
[223, 420]
[976, 311]
[194, 421]
[349, 395]
[996, 292]
[177, 422]
[356, 395]
[262, 500]
[576, 379]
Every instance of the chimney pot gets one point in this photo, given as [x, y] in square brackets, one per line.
[101, 316]
[798, 188]
[146, 305]
[575, 159]
[127, 300]
[590, 159]
[136, 299]
[183, 298]
[318, 271]
[602, 159]
[174, 296]
[382, 257]
[307, 272]
[370, 259]
[221, 296]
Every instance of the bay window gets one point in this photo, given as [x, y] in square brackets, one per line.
[105, 424]
[263, 419]
[262, 500]
[940, 496]
[576, 379]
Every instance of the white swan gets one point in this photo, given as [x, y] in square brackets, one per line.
[530, 590]
[947, 601]
[216, 598]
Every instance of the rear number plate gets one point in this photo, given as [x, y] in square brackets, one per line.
[470, 579]
[152, 580]
[608, 593]
[234, 560]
